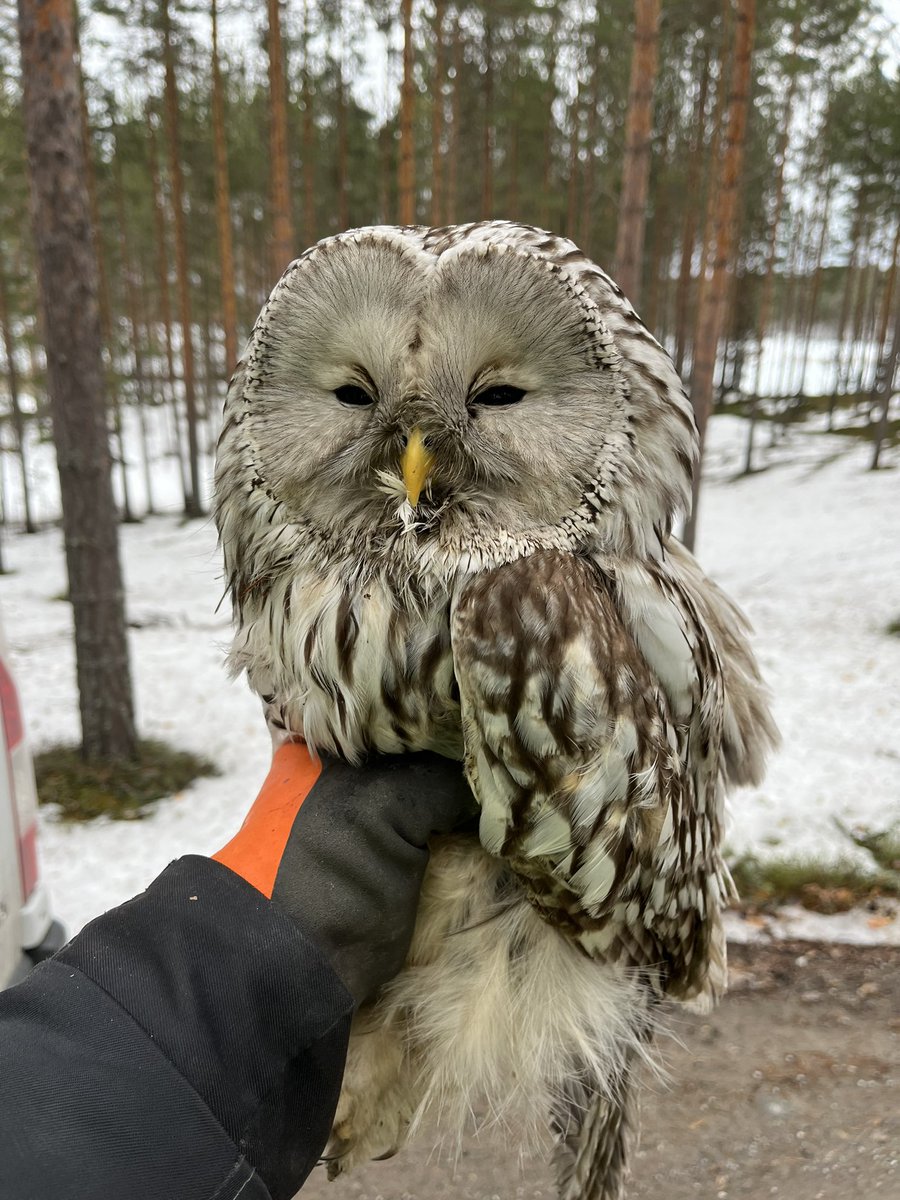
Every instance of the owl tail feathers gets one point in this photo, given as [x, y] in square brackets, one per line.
[596, 1137]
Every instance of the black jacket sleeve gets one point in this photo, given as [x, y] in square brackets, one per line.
[188, 1045]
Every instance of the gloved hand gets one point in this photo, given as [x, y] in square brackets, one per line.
[343, 851]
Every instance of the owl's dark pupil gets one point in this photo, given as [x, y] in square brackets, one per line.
[351, 394]
[502, 394]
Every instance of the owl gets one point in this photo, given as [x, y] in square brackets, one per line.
[445, 490]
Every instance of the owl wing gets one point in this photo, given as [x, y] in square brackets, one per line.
[598, 798]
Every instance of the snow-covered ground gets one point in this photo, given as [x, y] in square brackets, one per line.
[810, 547]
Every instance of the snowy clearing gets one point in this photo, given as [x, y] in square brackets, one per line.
[810, 547]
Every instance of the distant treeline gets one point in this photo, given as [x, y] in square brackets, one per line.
[214, 159]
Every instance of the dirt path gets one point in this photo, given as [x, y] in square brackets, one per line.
[791, 1089]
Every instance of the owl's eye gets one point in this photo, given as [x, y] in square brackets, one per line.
[351, 394]
[504, 393]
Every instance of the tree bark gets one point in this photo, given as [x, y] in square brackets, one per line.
[309, 141]
[713, 171]
[859, 217]
[283, 249]
[406, 175]
[223, 204]
[575, 119]
[549, 122]
[450, 207]
[93, 204]
[816, 287]
[689, 228]
[193, 501]
[588, 174]
[161, 261]
[636, 166]
[343, 191]
[67, 281]
[18, 417]
[714, 292]
[884, 389]
[488, 131]
[128, 514]
[437, 117]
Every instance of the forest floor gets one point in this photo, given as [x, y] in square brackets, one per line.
[791, 1088]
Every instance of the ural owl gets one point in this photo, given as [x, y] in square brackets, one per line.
[449, 467]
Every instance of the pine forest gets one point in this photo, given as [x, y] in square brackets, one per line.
[735, 165]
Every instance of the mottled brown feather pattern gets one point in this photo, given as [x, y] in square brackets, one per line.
[519, 623]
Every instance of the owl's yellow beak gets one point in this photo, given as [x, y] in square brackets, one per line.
[417, 463]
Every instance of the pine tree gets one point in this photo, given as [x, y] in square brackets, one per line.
[283, 248]
[714, 291]
[636, 167]
[193, 506]
[68, 283]
[406, 177]
[223, 202]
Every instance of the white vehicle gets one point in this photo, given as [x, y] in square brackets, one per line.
[28, 932]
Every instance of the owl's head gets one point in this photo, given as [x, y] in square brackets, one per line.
[456, 396]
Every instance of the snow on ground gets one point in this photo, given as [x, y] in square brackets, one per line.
[810, 547]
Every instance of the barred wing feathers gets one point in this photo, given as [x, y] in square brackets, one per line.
[597, 786]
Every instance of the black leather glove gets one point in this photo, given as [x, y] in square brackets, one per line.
[343, 851]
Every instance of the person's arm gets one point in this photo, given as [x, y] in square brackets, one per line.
[190, 1044]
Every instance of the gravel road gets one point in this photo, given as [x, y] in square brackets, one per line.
[790, 1089]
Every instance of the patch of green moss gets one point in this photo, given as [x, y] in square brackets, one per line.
[84, 790]
[893, 627]
[820, 887]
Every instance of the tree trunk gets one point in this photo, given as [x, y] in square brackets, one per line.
[18, 417]
[726, 62]
[575, 117]
[91, 182]
[884, 388]
[162, 253]
[887, 297]
[193, 501]
[343, 190]
[406, 175]
[139, 324]
[714, 292]
[549, 121]
[846, 301]
[223, 204]
[437, 117]
[588, 174]
[67, 281]
[689, 228]
[859, 312]
[309, 142]
[161, 259]
[636, 165]
[816, 287]
[106, 324]
[659, 258]
[450, 208]
[128, 514]
[765, 300]
[488, 131]
[283, 249]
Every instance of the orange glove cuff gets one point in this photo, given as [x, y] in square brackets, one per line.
[256, 850]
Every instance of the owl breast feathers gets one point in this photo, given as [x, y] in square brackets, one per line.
[447, 477]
